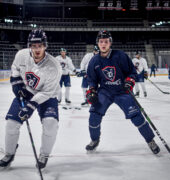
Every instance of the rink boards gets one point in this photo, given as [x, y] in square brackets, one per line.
[5, 74]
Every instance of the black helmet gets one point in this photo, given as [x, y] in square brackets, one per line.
[137, 53]
[37, 36]
[96, 49]
[103, 34]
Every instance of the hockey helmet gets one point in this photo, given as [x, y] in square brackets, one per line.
[103, 34]
[37, 36]
[137, 53]
[63, 50]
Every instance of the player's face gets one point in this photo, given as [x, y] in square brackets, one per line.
[38, 51]
[63, 54]
[104, 45]
[137, 56]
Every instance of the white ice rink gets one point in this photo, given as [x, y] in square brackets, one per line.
[121, 155]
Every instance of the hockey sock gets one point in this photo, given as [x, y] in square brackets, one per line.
[50, 128]
[12, 136]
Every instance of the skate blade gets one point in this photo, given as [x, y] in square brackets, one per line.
[87, 105]
[91, 151]
[5, 168]
[41, 169]
[68, 104]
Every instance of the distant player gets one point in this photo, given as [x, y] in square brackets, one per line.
[35, 76]
[83, 72]
[67, 66]
[153, 70]
[111, 74]
[142, 73]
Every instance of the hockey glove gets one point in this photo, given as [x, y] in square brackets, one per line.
[76, 72]
[91, 95]
[18, 87]
[81, 73]
[129, 84]
[145, 74]
[27, 111]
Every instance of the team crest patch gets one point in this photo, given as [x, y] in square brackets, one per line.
[32, 79]
[136, 64]
[109, 72]
[63, 65]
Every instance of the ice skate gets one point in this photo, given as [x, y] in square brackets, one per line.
[42, 161]
[92, 146]
[85, 104]
[154, 147]
[67, 101]
[145, 94]
[6, 161]
[137, 94]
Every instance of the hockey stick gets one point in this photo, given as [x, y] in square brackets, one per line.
[31, 139]
[158, 87]
[150, 122]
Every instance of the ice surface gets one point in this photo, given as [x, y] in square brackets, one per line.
[121, 155]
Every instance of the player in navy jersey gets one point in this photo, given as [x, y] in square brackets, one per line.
[111, 74]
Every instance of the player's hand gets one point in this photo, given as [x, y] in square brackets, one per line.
[145, 74]
[81, 73]
[76, 72]
[129, 84]
[18, 87]
[91, 95]
[27, 111]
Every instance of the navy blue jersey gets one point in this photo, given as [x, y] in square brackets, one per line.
[153, 67]
[108, 74]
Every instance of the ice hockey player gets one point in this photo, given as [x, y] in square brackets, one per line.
[67, 66]
[142, 73]
[153, 70]
[111, 74]
[35, 76]
[83, 72]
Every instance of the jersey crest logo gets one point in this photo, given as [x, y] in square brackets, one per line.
[109, 72]
[63, 65]
[32, 79]
[136, 64]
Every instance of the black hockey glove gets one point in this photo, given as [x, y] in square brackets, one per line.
[76, 72]
[129, 84]
[145, 74]
[18, 87]
[91, 95]
[81, 73]
[28, 110]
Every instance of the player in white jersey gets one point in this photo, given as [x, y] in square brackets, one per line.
[83, 72]
[35, 76]
[142, 71]
[67, 66]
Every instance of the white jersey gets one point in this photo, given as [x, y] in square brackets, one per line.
[66, 64]
[41, 79]
[140, 64]
[85, 61]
